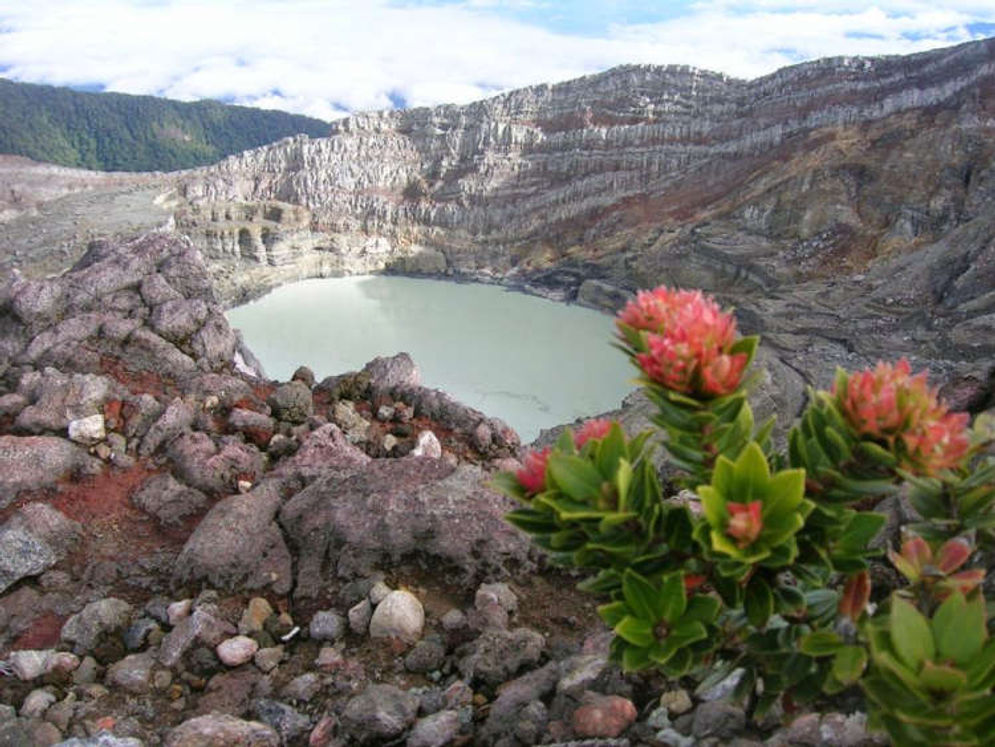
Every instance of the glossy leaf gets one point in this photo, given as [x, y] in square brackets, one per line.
[910, 634]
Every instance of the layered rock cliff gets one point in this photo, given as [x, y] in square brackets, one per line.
[845, 206]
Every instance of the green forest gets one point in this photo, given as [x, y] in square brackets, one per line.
[119, 132]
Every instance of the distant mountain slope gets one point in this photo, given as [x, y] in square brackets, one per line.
[118, 132]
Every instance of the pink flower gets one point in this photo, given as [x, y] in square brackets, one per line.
[745, 522]
[889, 404]
[723, 374]
[596, 429]
[532, 475]
[655, 310]
[687, 342]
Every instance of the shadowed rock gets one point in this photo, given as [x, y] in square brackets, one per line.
[238, 545]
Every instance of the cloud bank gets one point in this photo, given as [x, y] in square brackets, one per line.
[326, 58]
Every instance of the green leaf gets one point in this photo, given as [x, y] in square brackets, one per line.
[713, 504]
[746, 345]
[686, 632]
[623, 481]
[565, 443]
[849, 664]
[673, 597]
[678, 664]
[645, 600]
[530, 521]
[611, 451]
[821, 643]
[752, 474]
[942, 677]
[636, 631]
[634, 659]
[876, 454]
[863, 527]
[911, 636]
[702, 608]
[788, 599]
[959, 628]
[759, 602]
[981, 672]
[575, 476]
[785, 492]
[612, 613]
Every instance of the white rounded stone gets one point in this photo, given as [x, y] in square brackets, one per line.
[87, 430]
[427, 445]
[236, 651]
[399, 615]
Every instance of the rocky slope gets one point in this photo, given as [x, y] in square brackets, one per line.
[193, 555]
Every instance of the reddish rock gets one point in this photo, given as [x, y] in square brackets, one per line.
[604, 716]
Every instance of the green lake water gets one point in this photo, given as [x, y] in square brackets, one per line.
[532, 362]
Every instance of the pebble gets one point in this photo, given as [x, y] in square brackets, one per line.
[436, 730]
[426, 655]
[88, 430]
[400, 615]
[302, 688]
[676, 702]
[254, 616]
[453, 620]
[237, 651]
[326, 625]
[178, 610]
[498, 593]
[718, 718]
[36, 703]
[268, 659]
[133, 673]
[378, 592]
[29, 665]
[359, 617]
[603, 716]
[329, 659]
[427, 445]
[324, 732]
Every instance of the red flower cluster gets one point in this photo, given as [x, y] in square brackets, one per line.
[688, 341]
[532, 475]
[892, 405]
[592, 429]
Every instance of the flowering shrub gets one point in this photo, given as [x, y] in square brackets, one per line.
[767, 568]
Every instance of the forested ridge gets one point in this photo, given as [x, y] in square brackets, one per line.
[120, 132]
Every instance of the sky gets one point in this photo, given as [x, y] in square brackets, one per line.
[328, 58]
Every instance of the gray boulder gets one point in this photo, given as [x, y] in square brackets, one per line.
[349, 523]
[177, 418]
[217, 729]
[34, 539]
[56, 399]
[34, 462]
[168, 500]
[380, 713]
[211, 467]
[94, 621]
[497, 655]
[397, 370]
[292, 402]
[177, 320]
[238, 545]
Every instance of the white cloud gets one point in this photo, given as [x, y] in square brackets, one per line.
[325, 58]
